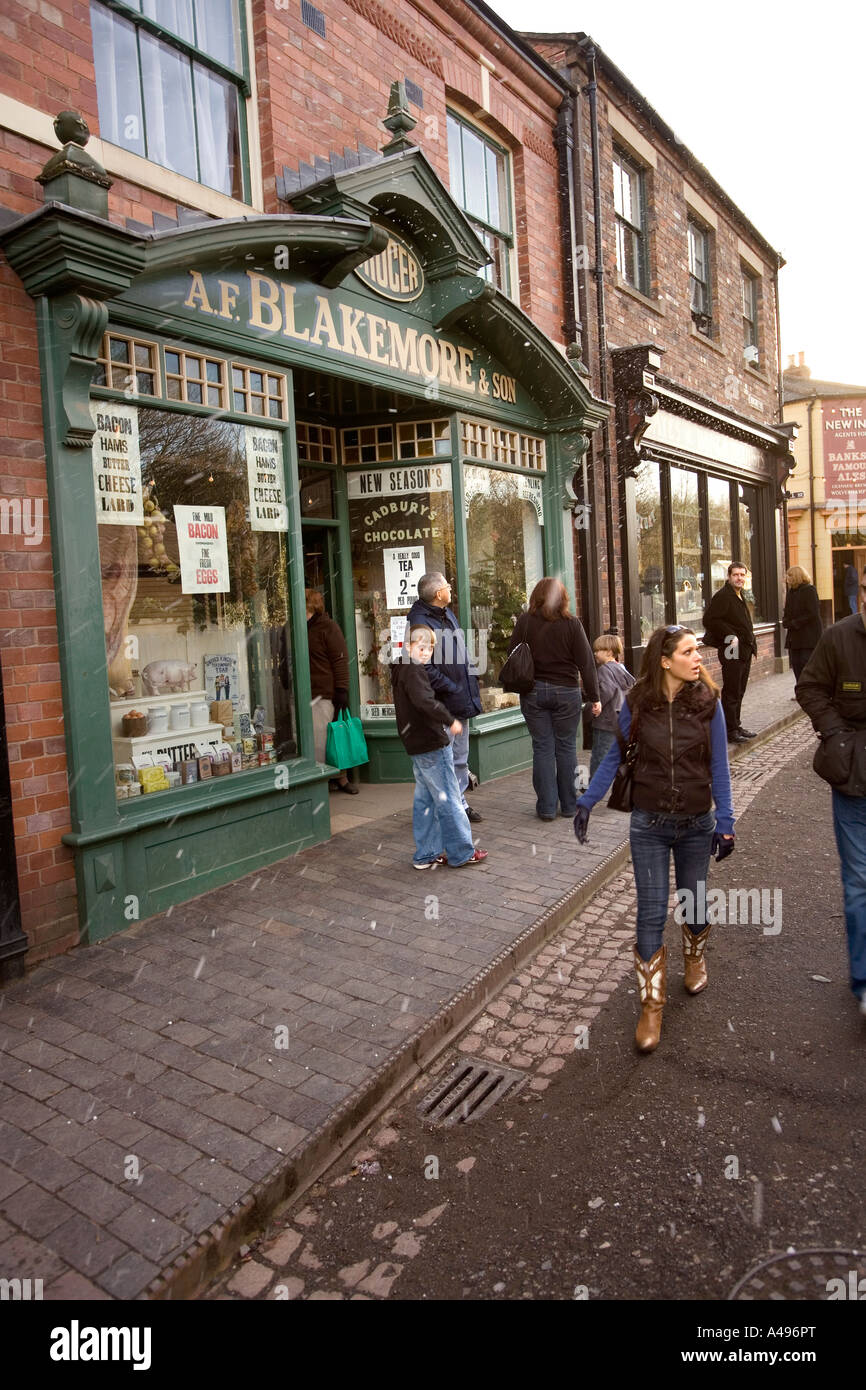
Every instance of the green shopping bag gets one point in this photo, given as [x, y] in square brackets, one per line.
[346, 745]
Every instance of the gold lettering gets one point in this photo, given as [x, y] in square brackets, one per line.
[197, 297]
[413, 272]
[290, 329]
[466, 355]
[377, 345]
[403, 259]
[404, 351]
[264, 294]
[393, 272]
[448, 363]
[351, 337]
[228, 298]
[428, 355]
[325, 324]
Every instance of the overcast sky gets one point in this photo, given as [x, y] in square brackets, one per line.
[771, 97]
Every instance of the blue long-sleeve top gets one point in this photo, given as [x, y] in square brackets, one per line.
[720, 770]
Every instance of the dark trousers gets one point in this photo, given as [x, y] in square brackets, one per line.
[799, 656]
[735, 678]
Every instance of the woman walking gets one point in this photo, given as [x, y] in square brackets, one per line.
[681, 768]
[801, 618]
[561, 652]
[329, 680]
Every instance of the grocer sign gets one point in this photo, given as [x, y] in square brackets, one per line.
[303, 314]
[395, 273]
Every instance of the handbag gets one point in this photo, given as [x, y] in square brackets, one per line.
[518, 671]
[622, 792]
[346, 745]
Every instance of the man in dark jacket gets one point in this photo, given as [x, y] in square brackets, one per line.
[850, 584]
[832, 691]
[450, 672]
[728, 626]
[329, 679]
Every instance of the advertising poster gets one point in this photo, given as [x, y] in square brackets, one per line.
[404, 566]
[845, 450]
[266, 480]
[117, 465]
[221, 679]
[201, 542]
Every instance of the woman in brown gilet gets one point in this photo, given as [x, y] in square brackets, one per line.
[680, 770]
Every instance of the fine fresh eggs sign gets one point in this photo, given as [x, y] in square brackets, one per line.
[201, 541]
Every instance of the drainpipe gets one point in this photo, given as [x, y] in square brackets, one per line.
[564, 140]
[589, 54]
[13, 942]
[813, 402]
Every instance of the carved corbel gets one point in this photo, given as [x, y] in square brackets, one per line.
[80, 324]
[641, 409]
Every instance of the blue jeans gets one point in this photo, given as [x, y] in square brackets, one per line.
[602, 739]
[849, 823]
[852, 602]
[652, 836]
[460, 752]
[552, 714]
[438, 819]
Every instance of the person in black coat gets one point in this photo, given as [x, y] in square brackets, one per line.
[728, 626]
[801, 618]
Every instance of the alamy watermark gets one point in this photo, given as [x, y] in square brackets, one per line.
[730, 907]
[22, 516]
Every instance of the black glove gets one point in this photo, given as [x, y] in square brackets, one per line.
[721, 847]
[581, 821]
[341, 700]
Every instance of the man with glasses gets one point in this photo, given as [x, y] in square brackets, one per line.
[450, 672]
[728, 626]
[832, 691]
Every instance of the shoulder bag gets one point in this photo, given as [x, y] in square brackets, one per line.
[622, 792]
[518, 671]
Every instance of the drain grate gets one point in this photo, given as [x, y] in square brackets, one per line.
[804, 1275]
[470, 1089]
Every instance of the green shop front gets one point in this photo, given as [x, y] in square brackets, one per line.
[235, 411]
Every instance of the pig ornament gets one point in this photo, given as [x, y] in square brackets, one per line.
[162, 677]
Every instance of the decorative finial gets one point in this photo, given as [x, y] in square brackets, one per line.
[574, 353]
[72, 176]
[71, 128]
[399, 120]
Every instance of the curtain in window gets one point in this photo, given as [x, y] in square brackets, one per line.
[216, 23]
[216, 105]
[168, 107]
[117, 83]
[174, 15]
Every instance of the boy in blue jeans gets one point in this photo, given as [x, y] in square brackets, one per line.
[613, 681]
[439, 820]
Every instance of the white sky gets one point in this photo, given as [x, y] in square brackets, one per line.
[771, 97]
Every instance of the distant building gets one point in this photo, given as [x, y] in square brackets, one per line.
[827, 512]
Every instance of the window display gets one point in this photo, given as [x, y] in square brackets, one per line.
[193, 552]
[748, 514]
[650, 548]
[504, 517]
[686, 528]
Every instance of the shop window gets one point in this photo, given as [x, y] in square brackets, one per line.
[401, 525]
[372, 444]
[629, 204]
[197, 380]
[128, 364]
[423, 439]
[532, 453]
[504, 519]
[750, 316]
[700, 290]
[479, 180]
[193, 554]
[495, 445]
[316, 443]
[255, 392]
[475, 439]
[686, 535]
[650, 549]
[317, 492]
[747, 508]
[721, 543]
[171, 83]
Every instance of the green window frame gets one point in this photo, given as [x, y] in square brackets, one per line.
[480, 177]
[629, 201]
[172, 79]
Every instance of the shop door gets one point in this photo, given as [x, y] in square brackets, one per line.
[856, 556]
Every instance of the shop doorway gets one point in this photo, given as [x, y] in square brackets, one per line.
[852, 555]
[320, 569]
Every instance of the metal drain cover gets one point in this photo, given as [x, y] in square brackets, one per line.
[470, 1089]
[804, 1275]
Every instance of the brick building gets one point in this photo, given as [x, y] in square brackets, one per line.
[258, 336]
[681, 328]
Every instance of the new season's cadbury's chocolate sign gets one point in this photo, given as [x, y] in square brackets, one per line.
[295, 312]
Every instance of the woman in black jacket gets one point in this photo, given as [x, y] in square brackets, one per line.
[561, 653]
[801, 618]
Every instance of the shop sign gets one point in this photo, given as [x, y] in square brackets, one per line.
[406, 519]
[845, 449]
[398, 633]
[266, 480]
[117, 465]
[378, 712]
[395, 273]
[201, 541]
[390, 482]
[403, 569]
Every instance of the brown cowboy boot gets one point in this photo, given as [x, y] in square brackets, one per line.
[651, 979]
[694, 945]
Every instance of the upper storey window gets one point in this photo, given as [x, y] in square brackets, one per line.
[171, 84]
[480, 178]
[699, 279]
[629, 198]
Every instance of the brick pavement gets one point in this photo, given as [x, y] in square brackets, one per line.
[150, 1083]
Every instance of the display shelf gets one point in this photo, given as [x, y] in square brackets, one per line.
[175, 697]
[175, 743]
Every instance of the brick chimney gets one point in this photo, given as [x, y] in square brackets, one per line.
[798, 369]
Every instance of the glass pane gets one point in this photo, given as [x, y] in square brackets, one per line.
[747, 506]
[172, 389]
[217, 33]
[168, 106]
[142, 355]
[118, 89]
[193, 392]
[214, 395]
[388, 528]
[219, 145]
[240, 400]
[317, 492]
[256, 382]
[118, 349]
[650, 549]
[213, 370]
[189, 647]
[172, 362]
[494, 210]
[719, 507]
[686, 529]
[192, 367]
[455, 162]
[504, 517]
[474, 179]
[175, 15]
